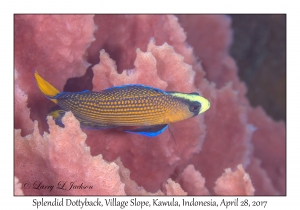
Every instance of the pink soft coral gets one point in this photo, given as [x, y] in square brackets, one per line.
[219, 139]
[234, 183]
[51, 160]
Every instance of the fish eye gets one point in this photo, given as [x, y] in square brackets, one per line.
[195, 107]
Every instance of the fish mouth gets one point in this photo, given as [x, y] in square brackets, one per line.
[204, 105]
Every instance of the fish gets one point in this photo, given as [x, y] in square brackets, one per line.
[133, 105]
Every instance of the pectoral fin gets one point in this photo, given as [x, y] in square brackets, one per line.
[149, 131]
[57, 115]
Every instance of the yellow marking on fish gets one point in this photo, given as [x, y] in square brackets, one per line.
[46, 87]
[204, 102]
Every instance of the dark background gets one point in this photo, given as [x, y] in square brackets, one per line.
[259, 49]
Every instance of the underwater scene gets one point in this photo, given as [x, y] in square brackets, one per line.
[149, 105]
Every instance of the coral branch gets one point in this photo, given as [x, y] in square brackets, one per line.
[173, 188]
[192, 181]
[234, 183]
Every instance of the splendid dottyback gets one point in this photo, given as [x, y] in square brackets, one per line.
[149, 108]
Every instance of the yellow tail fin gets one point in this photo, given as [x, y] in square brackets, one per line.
[46, 87]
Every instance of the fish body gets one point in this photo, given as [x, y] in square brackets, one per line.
[127, 105]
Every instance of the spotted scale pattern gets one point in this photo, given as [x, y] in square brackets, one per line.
[133, 105]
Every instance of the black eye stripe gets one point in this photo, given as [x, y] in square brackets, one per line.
[194, 106]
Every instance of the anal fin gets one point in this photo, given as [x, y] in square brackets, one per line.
[149, 131]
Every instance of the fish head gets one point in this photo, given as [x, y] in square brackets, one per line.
[197, 103]
[192, 104]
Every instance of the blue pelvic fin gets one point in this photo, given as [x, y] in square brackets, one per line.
[149, 131]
